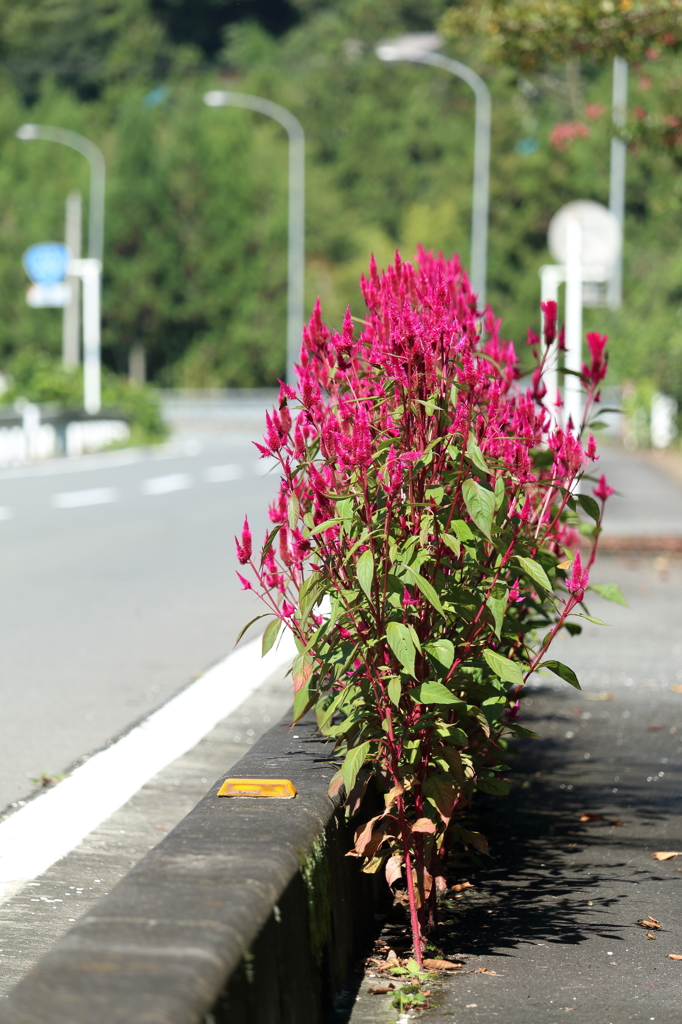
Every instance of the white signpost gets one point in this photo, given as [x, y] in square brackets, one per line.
[48, 264]
[585, 238]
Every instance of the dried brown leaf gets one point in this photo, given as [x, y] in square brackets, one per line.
[675, 688]
[666, 855]
[649, 922]
[591, 817]
[650, 936]
[483, 970]
[381, 990]
[439, 965]
[614, 821]
[461, 886]
[674, 956]
[654, 728]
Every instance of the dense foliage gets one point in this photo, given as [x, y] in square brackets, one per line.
[195, 264]
[420, 553]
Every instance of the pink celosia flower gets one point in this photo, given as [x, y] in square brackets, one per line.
[579, 578]
[244, 549]
[602, 490]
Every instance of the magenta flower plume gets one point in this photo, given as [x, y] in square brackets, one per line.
[245, 548]
[244, 582]
[602, 490]
[549, 313]
[579, 580]
[288, 609]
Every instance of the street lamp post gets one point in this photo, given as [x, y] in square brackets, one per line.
[90, 270]
[617, 175]
[296, 243]
[92, 153]
[419, 48]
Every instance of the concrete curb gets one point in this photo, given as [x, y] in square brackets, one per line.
[249, 910]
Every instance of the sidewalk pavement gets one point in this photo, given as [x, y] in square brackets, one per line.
[550, 925]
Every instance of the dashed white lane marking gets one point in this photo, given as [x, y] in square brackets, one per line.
[166, 484]
[93, 496]
[32, 839]
[5, 512]
[219, 474]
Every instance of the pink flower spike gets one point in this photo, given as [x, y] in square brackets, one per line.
[244, 549]
[592, 449]
[244, 582]
[288, 609]
[549, 313]
[602, 490]
[579, 578]
[286, 392]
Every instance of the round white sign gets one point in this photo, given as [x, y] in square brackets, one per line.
[602, 237]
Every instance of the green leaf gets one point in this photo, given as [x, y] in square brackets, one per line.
[563, 671]
[303, 701]
[476, 455]
[394, 690]
[270, 635]
[325, 526]
[425, 587]
[442, 650]
[609, 591]
[509, 671]
[498, 606]
[439, 791]
[401, 643]
[535, 571]
[248, 624]
[590, 506]
[498, 787]
[591, 618]
[365, 571]
[434, 692]
[292, 510]
[452, 542]
[462, 530]
[499, 492]
[353, 762]
[480, 505]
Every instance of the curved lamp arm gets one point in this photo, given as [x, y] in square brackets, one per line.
[296, 244]
[94, 156]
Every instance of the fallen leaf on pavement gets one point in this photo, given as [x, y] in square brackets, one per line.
[439, 965]
[666, 855]
[676, 688]
[614, 821]
[381, 990]
[650, 936]
[674, 956]
[570, 1007]
[591, 817]
[654, 728]
[649, 922]
[461, 886]
[483, 970]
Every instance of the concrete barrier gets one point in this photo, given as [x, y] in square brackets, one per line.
[248, 911]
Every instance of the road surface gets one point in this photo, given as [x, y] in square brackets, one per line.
[117, 587]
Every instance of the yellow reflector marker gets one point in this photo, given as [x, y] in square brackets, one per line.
[282, 789]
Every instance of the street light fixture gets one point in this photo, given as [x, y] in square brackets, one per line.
[92, 153]
[420, 48]
[90, 269]
[296, 243]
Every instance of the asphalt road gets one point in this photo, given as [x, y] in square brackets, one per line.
[117, 587]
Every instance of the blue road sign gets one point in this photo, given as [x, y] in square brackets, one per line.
[46, 262]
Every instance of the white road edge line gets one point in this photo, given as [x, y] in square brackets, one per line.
[49, 827]
[166, 484]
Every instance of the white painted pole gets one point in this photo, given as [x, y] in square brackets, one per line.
[614, 292]
[574, 324]
[90, 272]
[550, 278]
[71, 316]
